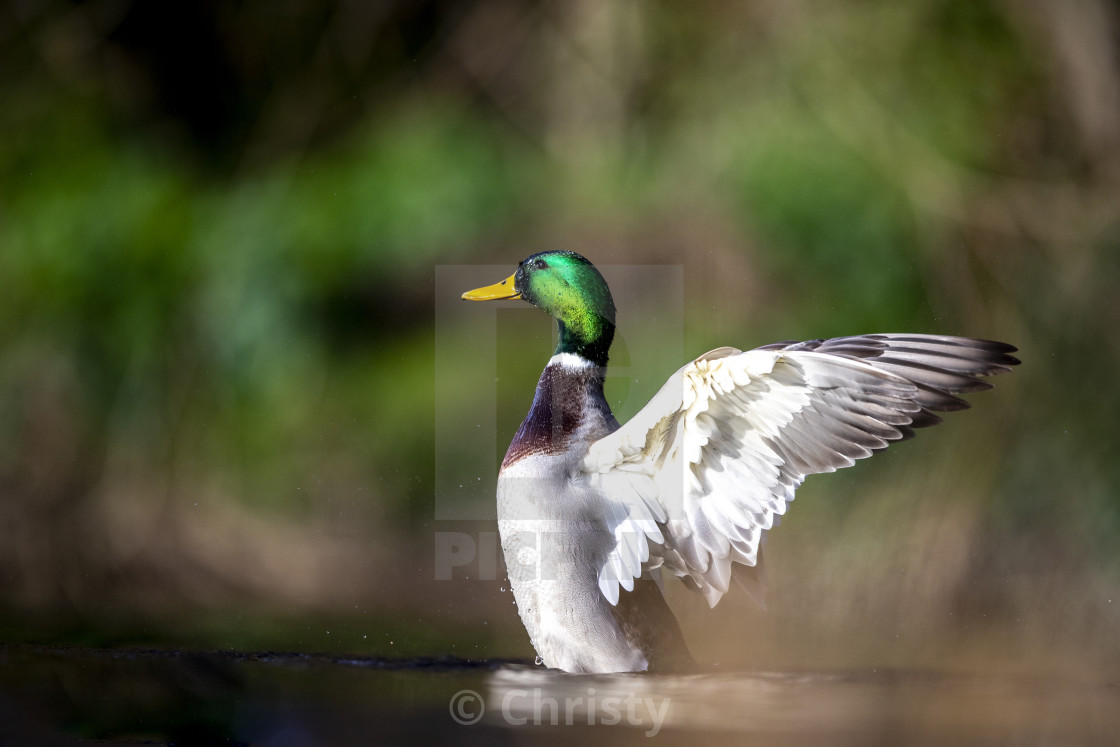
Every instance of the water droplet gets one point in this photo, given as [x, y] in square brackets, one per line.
[503, 588]
[538, 661]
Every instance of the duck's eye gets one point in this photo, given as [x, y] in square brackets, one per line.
[539, 264]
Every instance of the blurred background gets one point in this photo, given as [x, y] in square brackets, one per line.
[221, 227]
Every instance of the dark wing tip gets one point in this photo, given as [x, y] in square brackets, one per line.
[941, 366]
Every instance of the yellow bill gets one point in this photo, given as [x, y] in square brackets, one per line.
[496, 292]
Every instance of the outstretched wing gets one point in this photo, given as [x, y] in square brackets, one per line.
[697, 476]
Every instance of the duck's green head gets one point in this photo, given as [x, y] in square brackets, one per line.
[569, 288]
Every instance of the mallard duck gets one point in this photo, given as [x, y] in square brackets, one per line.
[591, 513]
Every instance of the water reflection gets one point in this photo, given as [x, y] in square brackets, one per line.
[864, 705]
[170, 697]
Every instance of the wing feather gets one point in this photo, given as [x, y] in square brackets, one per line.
[699, 475]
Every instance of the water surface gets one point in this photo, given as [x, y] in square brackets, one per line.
[74, 695]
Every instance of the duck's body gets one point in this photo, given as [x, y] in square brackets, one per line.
[554, 582]
[556, 537]
[590, 512]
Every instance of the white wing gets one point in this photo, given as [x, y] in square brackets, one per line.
[697, 476]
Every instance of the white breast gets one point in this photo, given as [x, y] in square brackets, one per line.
[555, 539]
